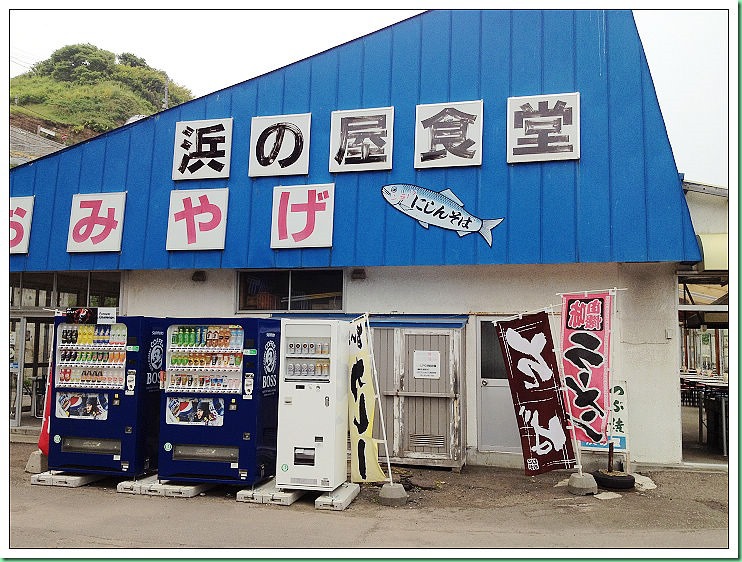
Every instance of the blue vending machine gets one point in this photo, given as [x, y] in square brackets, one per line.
[105, 405]
[219, 417]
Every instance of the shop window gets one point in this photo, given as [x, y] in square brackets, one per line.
[72, 289]
[105, 288]
[309, 290]
[37, 290]
[492, 362]
[15, 290]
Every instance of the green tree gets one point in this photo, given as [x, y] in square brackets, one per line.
[81, 63]
[132, 60]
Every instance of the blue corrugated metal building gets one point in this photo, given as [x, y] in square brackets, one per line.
[615, 216]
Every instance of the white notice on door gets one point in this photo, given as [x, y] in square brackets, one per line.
[427, 364]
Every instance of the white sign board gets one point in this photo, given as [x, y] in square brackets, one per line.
[617, 425]
[448, 134]
[21, 214]
[426, 364]
[202, 149]
[106, 315]
[361, 139]
[197, 219]
[279, 145]
[96, 222]
[303, 216]
[543, 127]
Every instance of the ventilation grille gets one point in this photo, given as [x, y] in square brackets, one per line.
[305, 481]
[426, 440]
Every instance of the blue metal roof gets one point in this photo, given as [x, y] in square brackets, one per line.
[622, 201]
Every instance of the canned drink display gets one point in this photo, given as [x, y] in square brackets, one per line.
[291, 347]
[311, 348]
[290, 368]
[305, 347]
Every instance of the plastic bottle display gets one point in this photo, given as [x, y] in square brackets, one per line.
[91, 356]
[205, 358]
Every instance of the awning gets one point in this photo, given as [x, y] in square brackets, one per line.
[714, 252]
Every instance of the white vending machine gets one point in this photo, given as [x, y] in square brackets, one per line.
[313, 405]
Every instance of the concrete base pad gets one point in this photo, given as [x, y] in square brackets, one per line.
[339, 498]
[393, 494]
[65, 479]
[151, 486]
[582, 484]
[268, 493]
[37, 463]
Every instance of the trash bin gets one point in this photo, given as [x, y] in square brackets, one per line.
[715, 427]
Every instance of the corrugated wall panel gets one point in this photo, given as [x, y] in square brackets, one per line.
[620, 202]
[593, 179]
[558, 191]
[626, 132]
[399, 232]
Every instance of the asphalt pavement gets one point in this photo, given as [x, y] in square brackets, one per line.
[482, 511]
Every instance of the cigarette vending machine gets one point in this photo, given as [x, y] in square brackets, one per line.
[313, 406]
[105, 389]
[220, 401]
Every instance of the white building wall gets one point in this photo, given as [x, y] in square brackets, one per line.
[644, 341]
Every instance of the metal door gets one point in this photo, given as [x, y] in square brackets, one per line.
[421, 395]
[496, 423]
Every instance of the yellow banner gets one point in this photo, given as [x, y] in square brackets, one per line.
[364, 451]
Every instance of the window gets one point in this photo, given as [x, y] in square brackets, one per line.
[309, 290]
[65, 289]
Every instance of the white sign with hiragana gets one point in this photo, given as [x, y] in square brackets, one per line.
[197, 219]
[21, 215]
[96, 222]
[303, 216]
[279, 145]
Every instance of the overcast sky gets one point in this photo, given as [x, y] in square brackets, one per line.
[688, 53]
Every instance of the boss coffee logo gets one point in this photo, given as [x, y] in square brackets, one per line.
[154, 360]
[270, 360]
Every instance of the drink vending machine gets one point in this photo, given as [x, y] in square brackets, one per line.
[105, 393]
[220, 402]
[313, 407]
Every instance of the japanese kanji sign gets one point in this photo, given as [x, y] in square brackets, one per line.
[361, 139]
[202, 149]
[364, 451]
[618, 422]
[303, 216]
[197, 219]
[279, 145]
[586, 322]
[528, 349]
[544, 127]
[96, 222]
[21, 213]
[448, 134]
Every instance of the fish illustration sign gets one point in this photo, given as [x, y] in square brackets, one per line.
[442, 209]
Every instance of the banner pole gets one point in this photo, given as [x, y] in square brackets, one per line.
[565, 398]
[378, 396]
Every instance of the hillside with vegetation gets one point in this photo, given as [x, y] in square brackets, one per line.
[82, 91]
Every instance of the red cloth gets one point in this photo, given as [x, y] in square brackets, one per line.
[44, 435]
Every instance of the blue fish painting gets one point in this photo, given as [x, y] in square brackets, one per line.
[442, 209]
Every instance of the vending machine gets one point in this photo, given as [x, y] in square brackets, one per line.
[313, 406]
[104, 416]
[220, 402]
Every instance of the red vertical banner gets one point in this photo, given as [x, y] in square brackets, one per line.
[533, 374]
[586, 330]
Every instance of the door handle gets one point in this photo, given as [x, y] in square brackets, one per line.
[484, 382]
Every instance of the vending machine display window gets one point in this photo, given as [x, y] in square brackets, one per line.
[90, 356]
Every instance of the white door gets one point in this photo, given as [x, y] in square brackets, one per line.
[497, 426]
